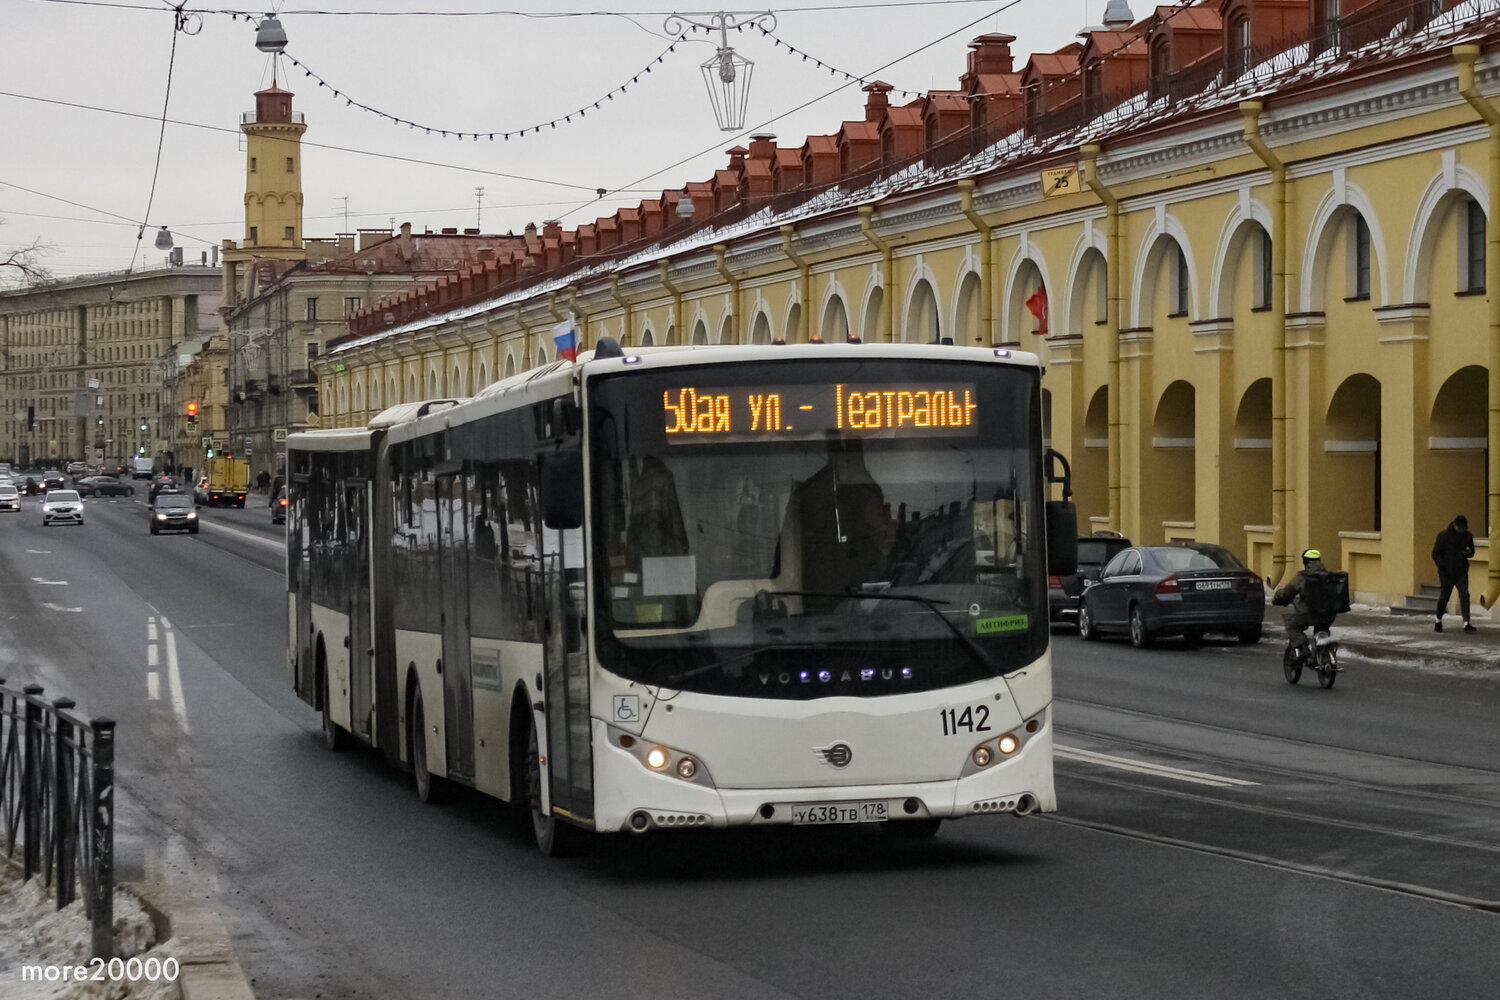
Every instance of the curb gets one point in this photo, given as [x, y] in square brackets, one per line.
[210, 970]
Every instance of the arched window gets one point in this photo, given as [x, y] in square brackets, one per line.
[1237, 54]
[1161, 66]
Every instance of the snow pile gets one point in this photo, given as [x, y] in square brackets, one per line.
[35, 934]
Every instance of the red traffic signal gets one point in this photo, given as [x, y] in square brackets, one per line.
[192, 409]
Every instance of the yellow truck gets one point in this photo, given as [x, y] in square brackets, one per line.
[225, 485]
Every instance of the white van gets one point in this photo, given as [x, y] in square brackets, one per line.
[140, 467]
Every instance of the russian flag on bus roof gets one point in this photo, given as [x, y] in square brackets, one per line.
[566, 339]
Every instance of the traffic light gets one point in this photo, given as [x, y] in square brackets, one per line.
[210, 453]
[192, 411]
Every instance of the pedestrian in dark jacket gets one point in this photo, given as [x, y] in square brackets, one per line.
[1451, 552]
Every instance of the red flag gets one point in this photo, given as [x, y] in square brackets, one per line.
[1038, 306]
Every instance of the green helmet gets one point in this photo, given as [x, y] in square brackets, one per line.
[1311, 554]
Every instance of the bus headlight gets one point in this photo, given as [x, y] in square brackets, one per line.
[656, 758]
[686, 768]
[1009, 744]
[982, 756]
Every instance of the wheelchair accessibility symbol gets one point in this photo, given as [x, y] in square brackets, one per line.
[627, 708]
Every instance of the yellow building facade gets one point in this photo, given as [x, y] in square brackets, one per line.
[1262, 308]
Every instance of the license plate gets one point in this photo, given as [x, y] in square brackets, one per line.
[828, 813]
[1214, 584]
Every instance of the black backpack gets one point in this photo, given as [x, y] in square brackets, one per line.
[1326, 594]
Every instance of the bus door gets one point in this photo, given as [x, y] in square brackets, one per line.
[361, 662]
[453, 573]
[569, 734]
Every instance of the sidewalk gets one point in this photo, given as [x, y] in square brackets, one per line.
[1377, 634]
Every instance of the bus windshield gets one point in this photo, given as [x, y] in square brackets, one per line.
[847, 527]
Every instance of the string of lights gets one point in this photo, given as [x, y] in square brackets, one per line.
[476, 135]
[448, 133]
[833, 70]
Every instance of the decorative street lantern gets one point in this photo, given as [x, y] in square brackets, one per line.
[727, 73]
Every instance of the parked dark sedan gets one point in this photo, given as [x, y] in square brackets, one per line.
[1063, 592]
[1186, 589]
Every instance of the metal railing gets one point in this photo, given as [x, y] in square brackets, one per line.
[57, 795]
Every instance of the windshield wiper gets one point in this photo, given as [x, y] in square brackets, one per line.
[973, 648]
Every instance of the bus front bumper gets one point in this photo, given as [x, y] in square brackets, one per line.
[629, 797]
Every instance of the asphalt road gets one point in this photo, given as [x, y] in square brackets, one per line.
[1222, 834]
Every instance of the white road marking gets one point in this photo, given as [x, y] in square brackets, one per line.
[1159, 770]
[174, 679]
[38, 552]
[151, 654]
[150, 629]
[57, 607]
[153, 686]
[49, 583]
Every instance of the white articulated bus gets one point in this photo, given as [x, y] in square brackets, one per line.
[695, 587]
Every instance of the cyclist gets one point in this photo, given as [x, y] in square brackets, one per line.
[1301, 614]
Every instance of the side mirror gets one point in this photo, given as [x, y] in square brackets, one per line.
[1062, 538]
[560, 484]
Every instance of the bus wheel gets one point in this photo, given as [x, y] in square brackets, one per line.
[335, 737]
[553, 838]
[912, 829]
[429, 786]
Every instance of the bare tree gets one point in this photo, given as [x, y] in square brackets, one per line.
[22, 266]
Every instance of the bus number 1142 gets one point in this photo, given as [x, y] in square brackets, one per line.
[974, 719]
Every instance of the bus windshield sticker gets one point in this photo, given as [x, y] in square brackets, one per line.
[1002, 623]
[803, 412]
[669, 575]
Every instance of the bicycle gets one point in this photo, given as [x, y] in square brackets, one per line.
[1322, 656]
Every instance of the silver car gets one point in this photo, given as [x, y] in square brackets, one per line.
[10, 497]
[62, 506]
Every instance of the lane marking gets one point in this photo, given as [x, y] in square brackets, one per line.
[1158, 770]
[153, 686]
[150, 629]
[174, 678]
[49, 583]
[151, 654]
[57, 607]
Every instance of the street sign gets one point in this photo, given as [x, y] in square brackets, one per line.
[206, 442]
[248, 442]
[1059, 181]
[277, 433]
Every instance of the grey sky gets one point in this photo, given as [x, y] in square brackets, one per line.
[105, 65]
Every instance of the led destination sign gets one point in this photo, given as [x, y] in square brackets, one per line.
[803, 412]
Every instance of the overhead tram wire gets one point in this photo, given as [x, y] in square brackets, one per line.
[315, 145]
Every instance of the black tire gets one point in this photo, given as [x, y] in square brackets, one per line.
[155, 530]
[429, 785]
[1327, 670]
[912, 829]
[554, 838]
[335, 737]
[1141, 637]
[1249, 637]
[1291, 666]
[1086, 626]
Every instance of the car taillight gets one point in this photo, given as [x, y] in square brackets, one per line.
[282, 501]
[1054, 581]
[1169, 585]
[1255, 583]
